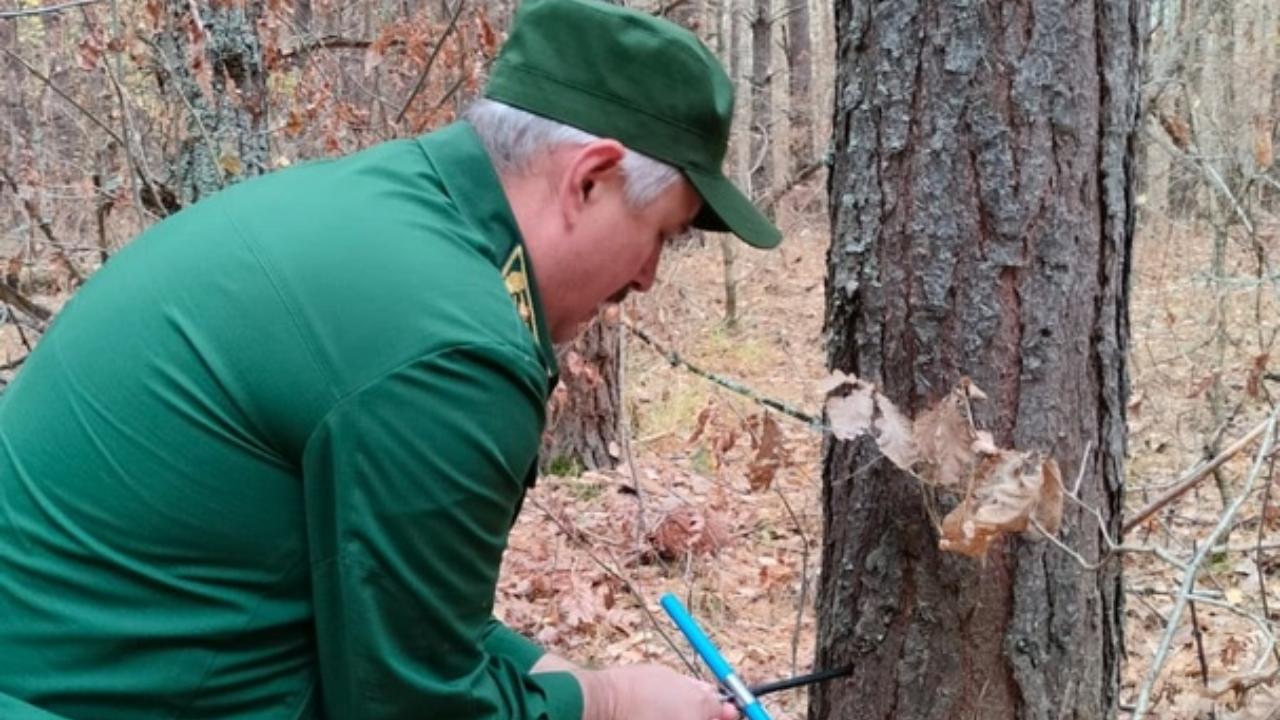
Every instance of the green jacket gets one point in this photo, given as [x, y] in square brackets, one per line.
[265, 462]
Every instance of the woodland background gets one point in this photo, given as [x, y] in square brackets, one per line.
[116, 113]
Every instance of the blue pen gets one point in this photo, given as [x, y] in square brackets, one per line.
[742, 696]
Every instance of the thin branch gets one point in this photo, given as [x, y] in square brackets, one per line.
[799, 177]
[1257, 551]
[58, 91]
[435, 52]
[330, 42]
[624, 425]
[804, 578]
[617, 574]
[1193, 568]
[46, 10]
[46, 227]
[1193, 476]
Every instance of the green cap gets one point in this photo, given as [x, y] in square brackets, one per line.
[638, 79]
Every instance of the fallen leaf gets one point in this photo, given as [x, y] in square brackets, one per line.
[686, 531]
[769, 455]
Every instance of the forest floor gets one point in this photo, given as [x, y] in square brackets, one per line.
[729, 510]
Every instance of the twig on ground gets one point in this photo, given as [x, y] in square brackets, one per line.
[1193, 476]
[804, 579]
[31, 308]
[626, 581]
[1193, 568]
[1198, 637]
[1257, 547]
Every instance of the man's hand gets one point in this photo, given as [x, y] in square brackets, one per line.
[650, 692]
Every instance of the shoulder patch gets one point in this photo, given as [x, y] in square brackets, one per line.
[515, 273]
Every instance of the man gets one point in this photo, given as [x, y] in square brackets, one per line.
[265, 463]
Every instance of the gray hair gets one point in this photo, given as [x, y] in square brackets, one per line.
[514, 137]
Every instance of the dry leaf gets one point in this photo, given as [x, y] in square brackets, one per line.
[946, 440]
[1048, 509]
[850, 415]
[1253, 385]
[893, 434]
[769, 455]
[701, 426]
[686, 531]
[1008, 489]
[1263, 152]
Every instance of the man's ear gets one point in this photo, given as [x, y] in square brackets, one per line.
[593, 168]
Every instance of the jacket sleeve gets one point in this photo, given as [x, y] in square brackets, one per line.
[411, 484]
[501, 640]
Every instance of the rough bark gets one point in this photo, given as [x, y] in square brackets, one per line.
[213, 62]
[761, 97]
[982, 207]
[583, 423]
[799, 81]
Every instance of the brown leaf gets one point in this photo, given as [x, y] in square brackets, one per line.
[488, 40]
[295, 125]
[723, 443]
[703, 418]
[686, 531]
[1258, 367]
[1201, 385]
[1178, 129]
[1008, 489]
[769, 455]
[89, 52]
[1263, 152]
[947, 441]
[580, 606]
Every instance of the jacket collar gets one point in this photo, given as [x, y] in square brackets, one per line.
[472, 182]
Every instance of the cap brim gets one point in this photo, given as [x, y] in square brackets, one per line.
[726, 209]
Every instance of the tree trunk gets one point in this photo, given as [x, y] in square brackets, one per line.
[214, 63]
[761, 100]
[583, 425]
[982, 207]
[799, 80]
[1272, 194]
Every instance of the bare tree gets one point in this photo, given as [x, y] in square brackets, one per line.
[982, 201]
[762, 98]
[799, 79]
